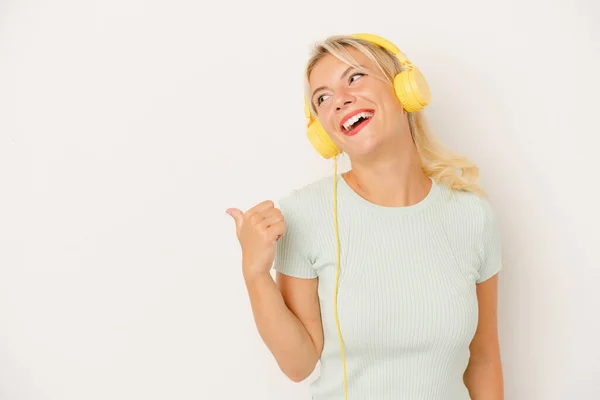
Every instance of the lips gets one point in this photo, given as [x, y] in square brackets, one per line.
[354, 121]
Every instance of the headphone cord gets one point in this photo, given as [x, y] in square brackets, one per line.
[337, 272]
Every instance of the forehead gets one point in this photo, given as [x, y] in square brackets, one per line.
[331, 68]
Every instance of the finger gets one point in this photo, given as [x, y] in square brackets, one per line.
[275, 231]
[238, 217]
[271, 218]
[261, 207]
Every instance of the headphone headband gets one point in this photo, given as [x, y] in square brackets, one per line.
[386, 44]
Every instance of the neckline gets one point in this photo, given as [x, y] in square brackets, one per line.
[395, 210]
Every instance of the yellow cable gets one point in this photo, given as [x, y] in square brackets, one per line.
[337, 272]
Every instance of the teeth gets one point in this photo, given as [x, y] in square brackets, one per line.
[352, 120]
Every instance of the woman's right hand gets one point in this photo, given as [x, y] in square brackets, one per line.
[258, 231]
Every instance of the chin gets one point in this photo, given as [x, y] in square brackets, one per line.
[364, 146]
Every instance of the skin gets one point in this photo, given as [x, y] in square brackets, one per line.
[286, 312]
[386, 170]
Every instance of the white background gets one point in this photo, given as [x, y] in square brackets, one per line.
[128, 127]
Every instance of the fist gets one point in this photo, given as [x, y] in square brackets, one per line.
[257, 231]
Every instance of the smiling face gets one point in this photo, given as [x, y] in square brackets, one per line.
[359, 111]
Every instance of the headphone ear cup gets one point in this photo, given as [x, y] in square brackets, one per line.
[412, 90]
[321, 141]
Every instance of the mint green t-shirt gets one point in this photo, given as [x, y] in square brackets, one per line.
[407, 298]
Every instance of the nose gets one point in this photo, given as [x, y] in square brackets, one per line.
[343, 100]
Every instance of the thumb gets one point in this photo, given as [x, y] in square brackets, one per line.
[237, 216]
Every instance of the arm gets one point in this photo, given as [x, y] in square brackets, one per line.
[286, 313]
[288, 318]
[483, 376]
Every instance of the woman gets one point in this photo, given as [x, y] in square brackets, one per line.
[386, 274]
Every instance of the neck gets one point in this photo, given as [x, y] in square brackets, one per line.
[393, 178]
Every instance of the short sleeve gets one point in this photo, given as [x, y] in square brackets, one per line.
[291, 255]
[490, 250]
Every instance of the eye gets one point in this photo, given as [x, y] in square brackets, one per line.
[320, 99]
[358, 74]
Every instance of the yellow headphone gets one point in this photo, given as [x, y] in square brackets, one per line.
[413, 93]
[410, 86]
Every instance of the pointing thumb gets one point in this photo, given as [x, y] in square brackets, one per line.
[237, 216]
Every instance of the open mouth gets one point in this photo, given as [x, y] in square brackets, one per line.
[352, 125]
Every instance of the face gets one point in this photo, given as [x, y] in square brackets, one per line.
[358, 110]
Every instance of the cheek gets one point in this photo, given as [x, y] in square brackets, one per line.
[393, 102]
[327, 120]
[330, 126]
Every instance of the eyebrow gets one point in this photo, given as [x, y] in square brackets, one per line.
[324, 87]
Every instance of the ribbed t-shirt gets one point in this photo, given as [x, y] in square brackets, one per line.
[407, 302]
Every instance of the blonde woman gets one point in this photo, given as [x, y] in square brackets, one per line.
[386, 275]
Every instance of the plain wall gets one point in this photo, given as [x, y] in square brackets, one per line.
[128, 127]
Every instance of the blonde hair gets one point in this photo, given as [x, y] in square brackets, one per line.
[438, 162]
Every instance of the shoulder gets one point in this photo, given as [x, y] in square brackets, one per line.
[302, 210]
[308, 199]
[467, 208]
[471, 224]
[478, 224]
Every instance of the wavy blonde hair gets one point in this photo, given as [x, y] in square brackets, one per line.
[438, 162]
